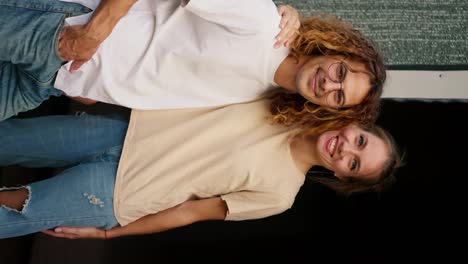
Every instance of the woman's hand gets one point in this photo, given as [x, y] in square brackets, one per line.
[82, 100]
[76, 232]
[289, 25]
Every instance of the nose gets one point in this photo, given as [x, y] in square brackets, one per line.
[328, 85]
[345, 148]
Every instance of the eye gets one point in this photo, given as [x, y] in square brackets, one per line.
[341, 72]
[354, 165]
[361, 140]
[339, 97]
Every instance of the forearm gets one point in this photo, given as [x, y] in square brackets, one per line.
[153, 223]
[82, 100]
[106, 16]
[181, 215]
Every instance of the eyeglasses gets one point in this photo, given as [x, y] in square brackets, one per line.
[336, 73]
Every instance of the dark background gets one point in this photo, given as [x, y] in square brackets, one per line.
[423, 210]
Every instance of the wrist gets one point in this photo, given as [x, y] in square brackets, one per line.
[97, 32]
[106, 16]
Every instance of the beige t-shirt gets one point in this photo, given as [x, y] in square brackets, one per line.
[171, 156]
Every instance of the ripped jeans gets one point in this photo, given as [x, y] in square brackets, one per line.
[88, 147]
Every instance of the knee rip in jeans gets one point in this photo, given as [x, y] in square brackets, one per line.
[94, 200]
[17, 203]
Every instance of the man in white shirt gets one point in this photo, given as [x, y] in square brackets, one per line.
[167, 54]
[152, 54]
[161, 54]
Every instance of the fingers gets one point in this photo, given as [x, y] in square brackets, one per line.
[58, 232]
[286, 35]
[281, 12]
[65, 44]
[289, 25]
[76, 65]
[76, 232]
[291, 33]
[75, 45]
[280, 41]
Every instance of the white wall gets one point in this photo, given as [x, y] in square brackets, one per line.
[427, 84]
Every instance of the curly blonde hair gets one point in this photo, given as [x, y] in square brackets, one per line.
[326, 35]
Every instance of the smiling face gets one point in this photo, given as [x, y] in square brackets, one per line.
[316, 81]
[352, 152]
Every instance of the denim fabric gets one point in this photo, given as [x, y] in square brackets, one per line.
[80, 195]
[58, 141]
[28, 59]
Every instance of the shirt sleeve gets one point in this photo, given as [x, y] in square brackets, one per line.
[247, 205]
[241, 15]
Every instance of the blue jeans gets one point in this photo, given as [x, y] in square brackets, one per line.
[28, 55]
[88, 147]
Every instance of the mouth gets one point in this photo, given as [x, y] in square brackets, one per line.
[313, 84]
[331, 145]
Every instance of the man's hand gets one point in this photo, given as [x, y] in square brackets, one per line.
[289, 25]
[80, 42]
[77, 44]
[76, 232]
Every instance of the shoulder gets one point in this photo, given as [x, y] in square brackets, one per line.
[259, 15]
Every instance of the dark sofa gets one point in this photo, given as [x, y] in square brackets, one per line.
[415, 209]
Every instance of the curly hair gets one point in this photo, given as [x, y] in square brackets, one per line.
[329, 36]
[382, 182]
[293, 110]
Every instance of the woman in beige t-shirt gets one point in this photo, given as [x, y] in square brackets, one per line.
[178, 167]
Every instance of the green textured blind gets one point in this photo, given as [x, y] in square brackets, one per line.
[412, 34]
